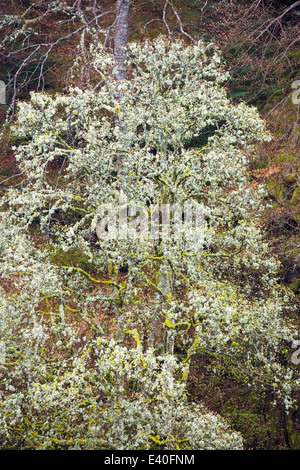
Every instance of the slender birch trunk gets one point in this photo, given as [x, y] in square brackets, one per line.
[121, 37]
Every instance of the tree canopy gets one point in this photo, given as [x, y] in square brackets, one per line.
[98, 354]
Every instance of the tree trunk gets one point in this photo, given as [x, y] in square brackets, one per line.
[121, 37]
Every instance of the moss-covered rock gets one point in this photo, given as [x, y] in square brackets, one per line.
[295, 201]
[275, 189]
[295, 286]
[291, 178]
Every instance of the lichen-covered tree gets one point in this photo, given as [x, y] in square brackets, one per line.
[98, 351]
